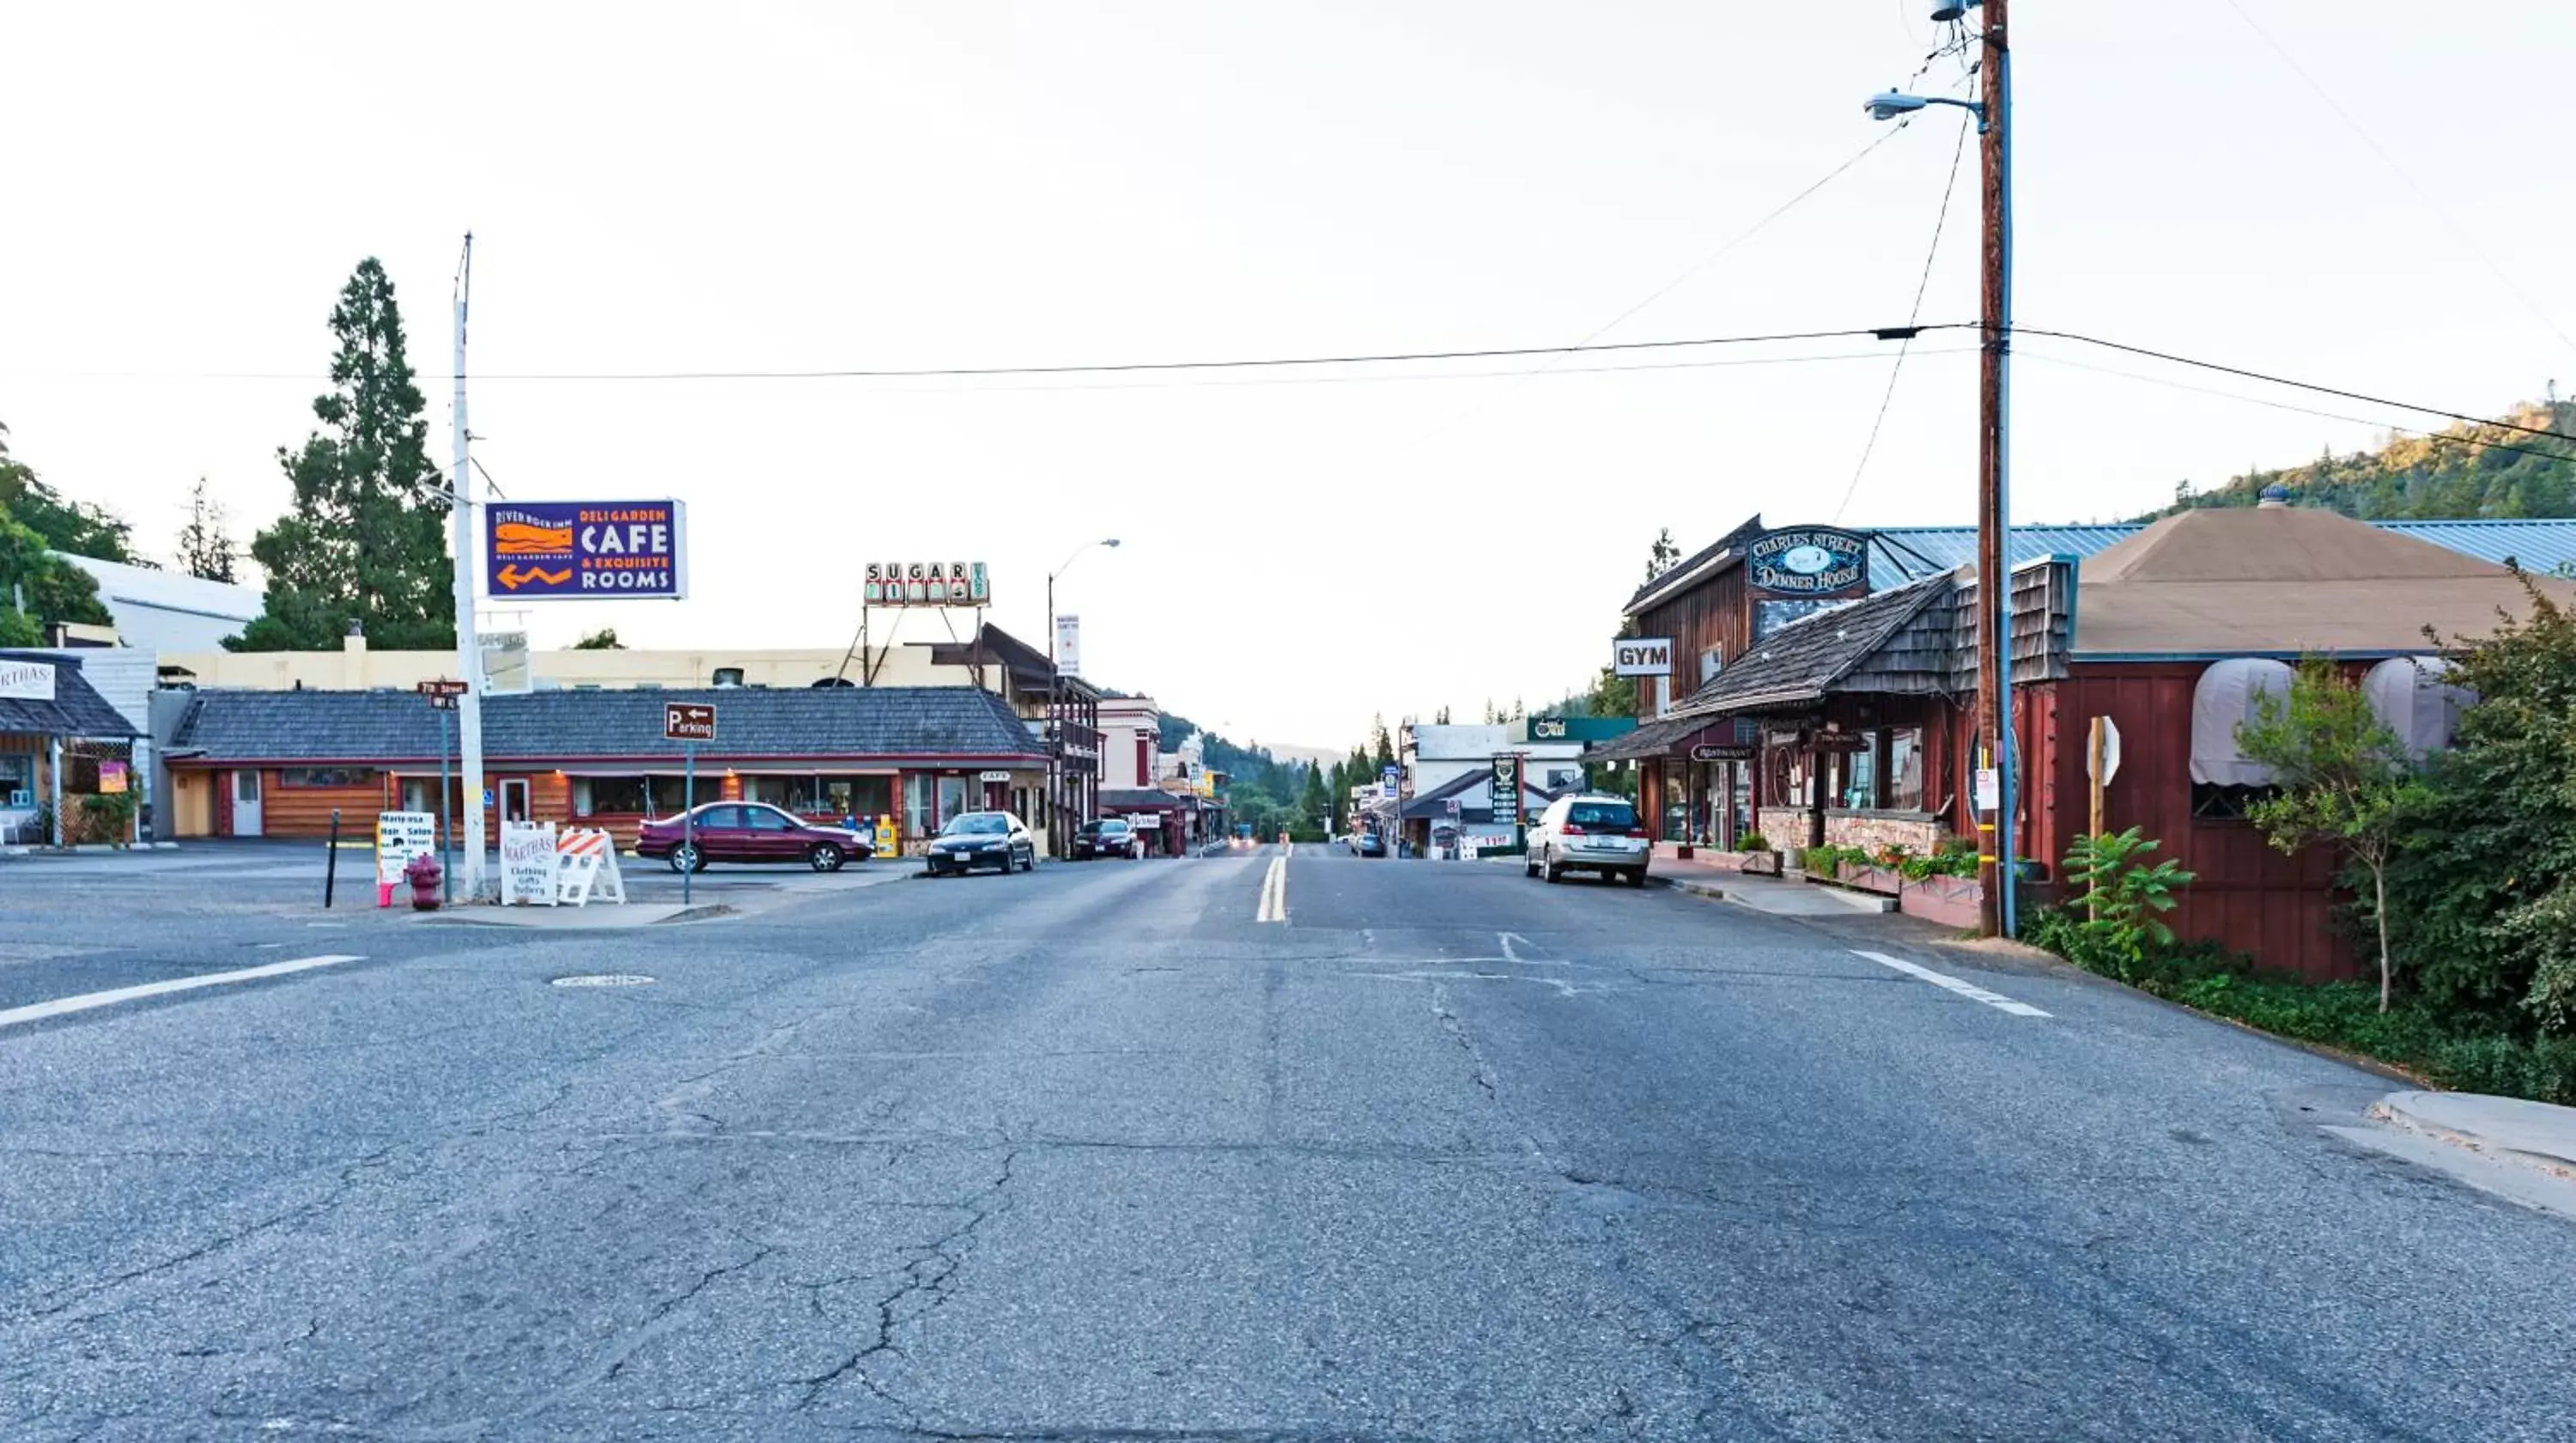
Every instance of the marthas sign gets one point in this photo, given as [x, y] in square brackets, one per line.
[586, 550]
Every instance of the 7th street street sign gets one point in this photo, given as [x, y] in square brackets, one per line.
[684, 721]
[442, 694]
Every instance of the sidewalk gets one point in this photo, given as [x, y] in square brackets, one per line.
[1781, 897]
[2522, 1151]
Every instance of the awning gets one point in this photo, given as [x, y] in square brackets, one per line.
[1669, 737]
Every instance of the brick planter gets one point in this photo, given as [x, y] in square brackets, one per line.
[1950, 901]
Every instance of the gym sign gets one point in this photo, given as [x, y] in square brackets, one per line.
[1641, 656]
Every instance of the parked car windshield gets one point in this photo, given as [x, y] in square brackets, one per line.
[1618, 816]
[1111, 825]
[975, 822]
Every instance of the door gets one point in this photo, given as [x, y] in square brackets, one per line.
[997, 796]
[719, 834]
[952, 799]
[246, 820]
[770, 835]
[514, 799]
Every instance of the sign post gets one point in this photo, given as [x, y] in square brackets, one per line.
[442, 697]
[688, 723]
[2101, 763]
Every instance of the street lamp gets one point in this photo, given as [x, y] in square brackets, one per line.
[1994, 450]
[1062, 567]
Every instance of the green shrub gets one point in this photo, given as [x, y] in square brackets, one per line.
[1752, 842]
[2120, 901]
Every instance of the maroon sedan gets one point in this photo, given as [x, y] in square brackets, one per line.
[749, 832]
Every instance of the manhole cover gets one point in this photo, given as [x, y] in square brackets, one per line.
[603, 979]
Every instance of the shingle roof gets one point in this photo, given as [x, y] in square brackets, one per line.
[77, 709]
[943, 724]
[1800, 661]
[1672, 577]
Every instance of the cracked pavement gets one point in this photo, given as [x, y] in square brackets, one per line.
[1090, 1154]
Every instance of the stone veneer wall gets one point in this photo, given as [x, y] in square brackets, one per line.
[1919, 835]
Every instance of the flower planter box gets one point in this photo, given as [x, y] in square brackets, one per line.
[1862, 877]
[1754, 864]
[1950, 901]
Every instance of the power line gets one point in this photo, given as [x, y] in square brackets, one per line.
[2435, 436]
[2459, 416]
[1940, 221]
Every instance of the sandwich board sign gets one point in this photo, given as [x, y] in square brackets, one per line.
[528, 864]
[401, 836]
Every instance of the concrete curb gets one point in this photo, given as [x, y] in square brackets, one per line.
[2535, 1134]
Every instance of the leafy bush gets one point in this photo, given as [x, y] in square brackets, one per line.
[1954, 857]
[1752, 842]
[1826, 861]
[2121, 901]
[2493, 835]
[106, 817]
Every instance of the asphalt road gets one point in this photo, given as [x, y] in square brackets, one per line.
[1094, 1153]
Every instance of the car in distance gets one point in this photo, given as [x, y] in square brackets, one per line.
[1107, 837]
[748, 832]
[982, 839]
[1370, 844]
[1589, 834]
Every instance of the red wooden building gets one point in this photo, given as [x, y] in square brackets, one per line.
[1860, 717]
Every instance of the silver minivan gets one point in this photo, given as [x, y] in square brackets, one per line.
[1589, 834]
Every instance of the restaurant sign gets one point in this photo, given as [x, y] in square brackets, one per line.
[925, 583]
[585, 550]
[1722, 752]
[1810, 561]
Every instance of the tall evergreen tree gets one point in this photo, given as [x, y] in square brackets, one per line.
[76, 527]
[206, 549]
[367, 538]
[1314, 809]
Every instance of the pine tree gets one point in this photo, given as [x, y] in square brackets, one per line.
[206, 550]
[1314, 809]
[366, 541]
[1664, 553]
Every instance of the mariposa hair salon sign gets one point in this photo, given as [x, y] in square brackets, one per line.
[1810, 561]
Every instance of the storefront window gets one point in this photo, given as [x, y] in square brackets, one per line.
[1676, 818]
[1860, 779]
[1784, 777]
[952, 798]
[17, 779]
[858, 796]
[1905, 769]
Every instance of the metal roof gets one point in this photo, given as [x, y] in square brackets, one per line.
[1899, 554]
[2544, 546]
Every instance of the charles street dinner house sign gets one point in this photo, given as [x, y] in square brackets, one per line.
[1810, 561]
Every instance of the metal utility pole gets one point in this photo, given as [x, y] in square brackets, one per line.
[469, 655]
[1994, 479]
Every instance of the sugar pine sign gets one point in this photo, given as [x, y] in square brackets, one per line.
[586, 550]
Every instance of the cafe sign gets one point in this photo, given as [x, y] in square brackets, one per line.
[1810, 561]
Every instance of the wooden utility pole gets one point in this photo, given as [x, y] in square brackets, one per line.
[1994, 571]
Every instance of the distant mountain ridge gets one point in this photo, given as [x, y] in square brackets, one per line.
[2463, 473]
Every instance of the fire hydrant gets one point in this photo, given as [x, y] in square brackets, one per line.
[424, 874]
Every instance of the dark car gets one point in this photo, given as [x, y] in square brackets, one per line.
[1107, 837]
[982, 839]
[1371, 844]
[748, 832]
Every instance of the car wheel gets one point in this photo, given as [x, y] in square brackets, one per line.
[1529, 865]
[685, 858]
[825, 857]
[1636, 876]
[1552, 871]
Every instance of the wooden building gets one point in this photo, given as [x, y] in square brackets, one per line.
[279, 763]
[60, 741]
[1861, 718]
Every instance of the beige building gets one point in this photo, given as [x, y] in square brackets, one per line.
[357, 667]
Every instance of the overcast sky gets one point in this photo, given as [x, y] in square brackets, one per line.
[955, 184]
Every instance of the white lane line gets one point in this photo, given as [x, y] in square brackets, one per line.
[1274, 892]
[63, 1006]
[1995, 1000]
